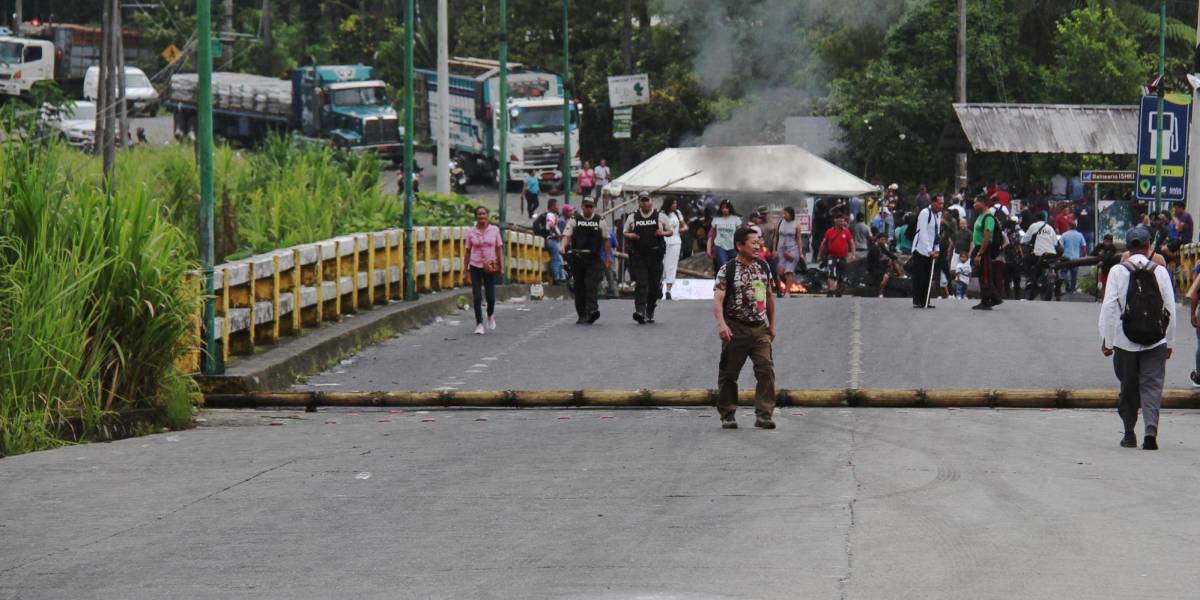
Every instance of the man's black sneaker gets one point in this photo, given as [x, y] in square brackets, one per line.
[982, 306]
[998, 302]
[592, 318]
[1129, 441]
[1195, 377]
[730, 424]
[580, 321]
[764, 423]
[668, 295]
[1150, 443]
[637, 316]
[650, 316]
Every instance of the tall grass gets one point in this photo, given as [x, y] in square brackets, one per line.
[93, 299]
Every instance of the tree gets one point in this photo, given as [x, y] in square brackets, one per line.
[1096, 60]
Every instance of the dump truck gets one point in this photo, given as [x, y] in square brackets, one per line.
[535, 110]
[62, 53]
[341, 105]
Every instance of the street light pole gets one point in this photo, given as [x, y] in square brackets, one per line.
[566, 178]
[410, 281]
[502, 106]
[210, 358]
[443, 91]
[1162, 67]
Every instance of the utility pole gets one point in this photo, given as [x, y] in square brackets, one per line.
[443, 99]
[1193, 170]
[626, 160]
[410, 281]
[119, 41]
[211, 361]
[18, 15]
[106, 110]
[502, 107]
[566, 35]
[1162, 85]
[960, 160]
[264, 34]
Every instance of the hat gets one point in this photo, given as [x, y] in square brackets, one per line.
[1138, 234]
[588, 201]
[644, 195]
[568, 209]
[894, 186]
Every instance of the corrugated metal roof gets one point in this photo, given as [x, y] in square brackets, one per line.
[1050, 128]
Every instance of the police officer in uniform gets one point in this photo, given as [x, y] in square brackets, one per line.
[646, 229]
[585, 243]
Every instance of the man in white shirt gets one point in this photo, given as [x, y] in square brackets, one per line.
[1140, 367]
[1045, 250]
[602, 174]
[925, 250]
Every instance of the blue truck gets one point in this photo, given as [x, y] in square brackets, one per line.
[341, 105]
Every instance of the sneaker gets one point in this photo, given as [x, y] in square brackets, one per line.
[491, 322]
[479, 329]
[1195, 377]
[1149, 443]
[637, 316]
[764, 423]
[581, 321]
[592, 318]
[668, 295]
[1129, 441]
[998, 302]
[728, 424]
[650, 316]
[982, 306]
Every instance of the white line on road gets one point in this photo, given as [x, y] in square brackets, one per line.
[856, 346]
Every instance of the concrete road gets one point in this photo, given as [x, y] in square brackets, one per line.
[836, 503]
[823, 343]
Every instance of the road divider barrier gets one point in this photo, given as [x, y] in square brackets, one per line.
[262, 298]
[867, 398]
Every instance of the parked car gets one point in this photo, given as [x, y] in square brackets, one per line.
[75, 124]
[140, 95]
[4, 31]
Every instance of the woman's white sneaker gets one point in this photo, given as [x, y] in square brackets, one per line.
[491, 322]
[479, 329]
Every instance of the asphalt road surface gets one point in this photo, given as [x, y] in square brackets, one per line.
[822, 343]
[610, 505]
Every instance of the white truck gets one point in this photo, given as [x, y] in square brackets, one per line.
[62, 53]
[535, 110]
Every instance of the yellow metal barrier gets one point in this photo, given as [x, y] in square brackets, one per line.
[263, 298]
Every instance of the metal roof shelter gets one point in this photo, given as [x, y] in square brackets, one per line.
[1050, 128]
[741, 170]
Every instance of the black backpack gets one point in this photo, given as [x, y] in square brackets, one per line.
[1145, 318]
[539, 226]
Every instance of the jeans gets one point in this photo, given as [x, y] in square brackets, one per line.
[480, 283]
[724, 256]
[556, 260]
[960, 290]
[1071, 276]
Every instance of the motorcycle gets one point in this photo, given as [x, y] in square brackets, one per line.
[458, 178]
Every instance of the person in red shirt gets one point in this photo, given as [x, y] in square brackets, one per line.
[1062, 221]
[837, 245]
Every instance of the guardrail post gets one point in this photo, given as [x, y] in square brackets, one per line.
[297, 289]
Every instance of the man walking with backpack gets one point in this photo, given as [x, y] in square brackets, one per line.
[745, 312]
[925, 251]
[1137, 328]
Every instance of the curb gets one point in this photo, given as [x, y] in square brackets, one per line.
[858, 398]
[278, 367]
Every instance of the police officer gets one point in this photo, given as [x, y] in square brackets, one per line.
[585, 243]
[646, 229]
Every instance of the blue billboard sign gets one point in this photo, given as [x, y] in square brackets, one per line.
[1174, 147]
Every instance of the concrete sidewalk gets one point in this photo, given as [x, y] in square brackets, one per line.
[836, 503]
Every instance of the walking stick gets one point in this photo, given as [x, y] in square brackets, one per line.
[929, 288]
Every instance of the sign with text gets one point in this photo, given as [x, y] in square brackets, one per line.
[805, 223]
[623, 123]
[1108, 176]
[628, 90]
[1174, 147]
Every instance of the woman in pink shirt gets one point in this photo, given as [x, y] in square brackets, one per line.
[484, 247]
[587, 180]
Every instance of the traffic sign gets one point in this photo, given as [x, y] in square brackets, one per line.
[628, 90]
[623, 122]
[1108, 176]
[1174, 147]
[171, 53]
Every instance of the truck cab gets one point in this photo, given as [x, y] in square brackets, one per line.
[24, 62]
[347, 106]
[535, 139]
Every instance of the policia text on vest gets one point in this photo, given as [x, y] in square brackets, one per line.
[585, 243]
[645, 230]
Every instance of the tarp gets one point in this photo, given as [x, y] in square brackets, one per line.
[741, 169]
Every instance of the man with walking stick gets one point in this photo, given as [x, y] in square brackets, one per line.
[925, 251]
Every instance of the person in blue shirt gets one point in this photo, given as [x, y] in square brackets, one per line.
[1074, 247]
[530, 194]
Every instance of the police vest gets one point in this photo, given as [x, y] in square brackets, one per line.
[587, 235]
[648, 244]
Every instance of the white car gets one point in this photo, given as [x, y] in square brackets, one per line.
[76, 125]
[140, 95]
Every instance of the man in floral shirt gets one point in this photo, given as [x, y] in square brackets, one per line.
[745, 313]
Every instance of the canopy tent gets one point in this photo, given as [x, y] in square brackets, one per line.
[741, 169]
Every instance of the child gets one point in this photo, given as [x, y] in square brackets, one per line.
[962, 276]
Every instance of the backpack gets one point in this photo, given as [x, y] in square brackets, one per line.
[730, 272]
[999, 240]
[1145, 319]
[910, 233]
[539, 226]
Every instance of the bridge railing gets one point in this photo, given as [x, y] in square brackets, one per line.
[262, 298]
